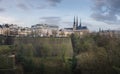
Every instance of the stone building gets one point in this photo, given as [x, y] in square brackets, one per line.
[77, 29]
[44, 30]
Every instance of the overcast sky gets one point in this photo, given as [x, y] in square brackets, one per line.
[95, 14]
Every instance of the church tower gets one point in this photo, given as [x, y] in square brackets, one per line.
[80, 24]
[74, 24]
[77, 22]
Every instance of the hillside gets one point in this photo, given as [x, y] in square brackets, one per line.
[46, 46]
[44, 55]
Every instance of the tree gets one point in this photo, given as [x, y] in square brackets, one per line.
[54, 32]
[62, 33]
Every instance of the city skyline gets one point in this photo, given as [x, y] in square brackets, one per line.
[95, 14]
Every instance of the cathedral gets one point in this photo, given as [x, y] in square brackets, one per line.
[77, 28]
[77, 25]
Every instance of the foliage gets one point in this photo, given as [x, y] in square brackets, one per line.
[44, 55]
[6, 49]
[45, 47]
[91, 54]
[96, 52]
[6, 62]
[6, 40]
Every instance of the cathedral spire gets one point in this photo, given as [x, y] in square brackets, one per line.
[74, 24]
[74, 21]
[77, 22]
[80, 23]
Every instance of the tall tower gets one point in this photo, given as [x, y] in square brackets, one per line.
[74, 24]
[80, 24]
[77, 22]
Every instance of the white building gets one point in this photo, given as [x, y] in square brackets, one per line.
[4, 29]
[44, 30]
[66, 32]
[1, 30]
[14, 30]
[41, 30]
[24, 31]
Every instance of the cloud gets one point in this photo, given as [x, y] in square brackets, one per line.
[49, 3]
[106, 11]
[41, 7]
[54, 2]
[30, 4]
[2, 9]
[51, 20]
[23, 6]
[4, 19]
[27, 4]
[10, 20]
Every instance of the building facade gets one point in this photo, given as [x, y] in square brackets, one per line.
[14, 30]
[44, 30]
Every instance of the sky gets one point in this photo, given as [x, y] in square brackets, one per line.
[95, 14]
